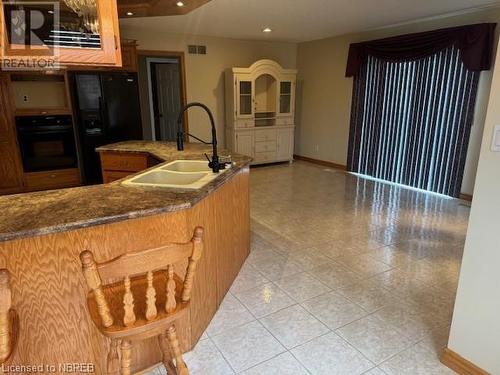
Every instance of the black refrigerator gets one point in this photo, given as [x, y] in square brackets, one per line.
[107, 110]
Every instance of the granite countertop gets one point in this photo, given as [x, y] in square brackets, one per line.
[32, 214]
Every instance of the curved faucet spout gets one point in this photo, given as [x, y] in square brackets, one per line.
[214, 163]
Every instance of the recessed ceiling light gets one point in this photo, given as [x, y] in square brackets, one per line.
[180, 4]
[267, 30]
[130, 13]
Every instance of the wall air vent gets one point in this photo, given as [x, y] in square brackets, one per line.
[197, 50]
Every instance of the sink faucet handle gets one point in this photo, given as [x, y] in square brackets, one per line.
[208, 158]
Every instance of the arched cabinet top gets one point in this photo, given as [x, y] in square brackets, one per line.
[265, 66]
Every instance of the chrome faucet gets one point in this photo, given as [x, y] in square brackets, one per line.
[215, 163]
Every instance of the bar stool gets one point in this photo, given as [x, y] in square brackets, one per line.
[149, 298]
[8, 318]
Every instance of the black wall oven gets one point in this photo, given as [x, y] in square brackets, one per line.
[47, 142]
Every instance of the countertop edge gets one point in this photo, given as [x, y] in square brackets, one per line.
[112, 218]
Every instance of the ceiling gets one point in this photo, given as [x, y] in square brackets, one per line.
[298, 20]
[148, 8]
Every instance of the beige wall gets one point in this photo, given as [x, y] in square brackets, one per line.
[475, 328]
[205, 73]
[324, 110]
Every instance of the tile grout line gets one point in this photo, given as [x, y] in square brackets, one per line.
[222, 355]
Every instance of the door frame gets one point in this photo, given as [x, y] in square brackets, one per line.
[179, 56]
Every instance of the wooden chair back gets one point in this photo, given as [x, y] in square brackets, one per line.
[144, 262]
[5, 316]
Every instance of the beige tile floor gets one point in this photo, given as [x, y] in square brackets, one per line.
[346, 276]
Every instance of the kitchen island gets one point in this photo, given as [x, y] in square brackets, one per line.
[43, 233]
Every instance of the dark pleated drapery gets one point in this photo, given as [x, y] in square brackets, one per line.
[411, 121]
[475, 43]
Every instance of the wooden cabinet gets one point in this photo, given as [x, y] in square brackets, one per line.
[110, 176]
[126, 162]
[57, 179]
[129, 56]
[93, 42]
[284, 144]
[260, 111]
[118, 165]
[10, 162]
[244, 143]
[5, 109]
[10, 168]
[40, 93]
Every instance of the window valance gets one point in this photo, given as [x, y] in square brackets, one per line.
[475, 43]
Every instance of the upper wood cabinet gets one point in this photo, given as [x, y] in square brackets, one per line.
[129, 56]
[97, 45]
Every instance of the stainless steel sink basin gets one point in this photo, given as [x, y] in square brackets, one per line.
[180, 174]
[187, 166]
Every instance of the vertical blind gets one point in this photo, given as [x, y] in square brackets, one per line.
[410, 121]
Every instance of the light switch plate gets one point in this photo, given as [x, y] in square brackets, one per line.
[495, 143]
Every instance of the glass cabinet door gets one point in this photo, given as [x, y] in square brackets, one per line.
[245, 98]
[72, 32]
[285, 97]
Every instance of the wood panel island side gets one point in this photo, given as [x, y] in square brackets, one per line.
[42, 235]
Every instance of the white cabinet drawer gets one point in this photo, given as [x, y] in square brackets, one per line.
[261, 157]
[265, 146]
[263, 135]
[284, 121]
[244, 123]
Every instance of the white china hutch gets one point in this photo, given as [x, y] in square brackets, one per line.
[260, 111]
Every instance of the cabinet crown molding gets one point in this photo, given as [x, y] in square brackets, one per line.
[264, 64]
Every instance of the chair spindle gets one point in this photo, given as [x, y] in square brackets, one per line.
[113, 359]
[126, 360]
[171, 303]
[151, 311]
[128, 304]
[176, 351]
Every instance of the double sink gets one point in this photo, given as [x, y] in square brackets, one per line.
[179, 174]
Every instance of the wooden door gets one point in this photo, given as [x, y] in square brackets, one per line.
[97, 45]
[245, 143]
[285, 144]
